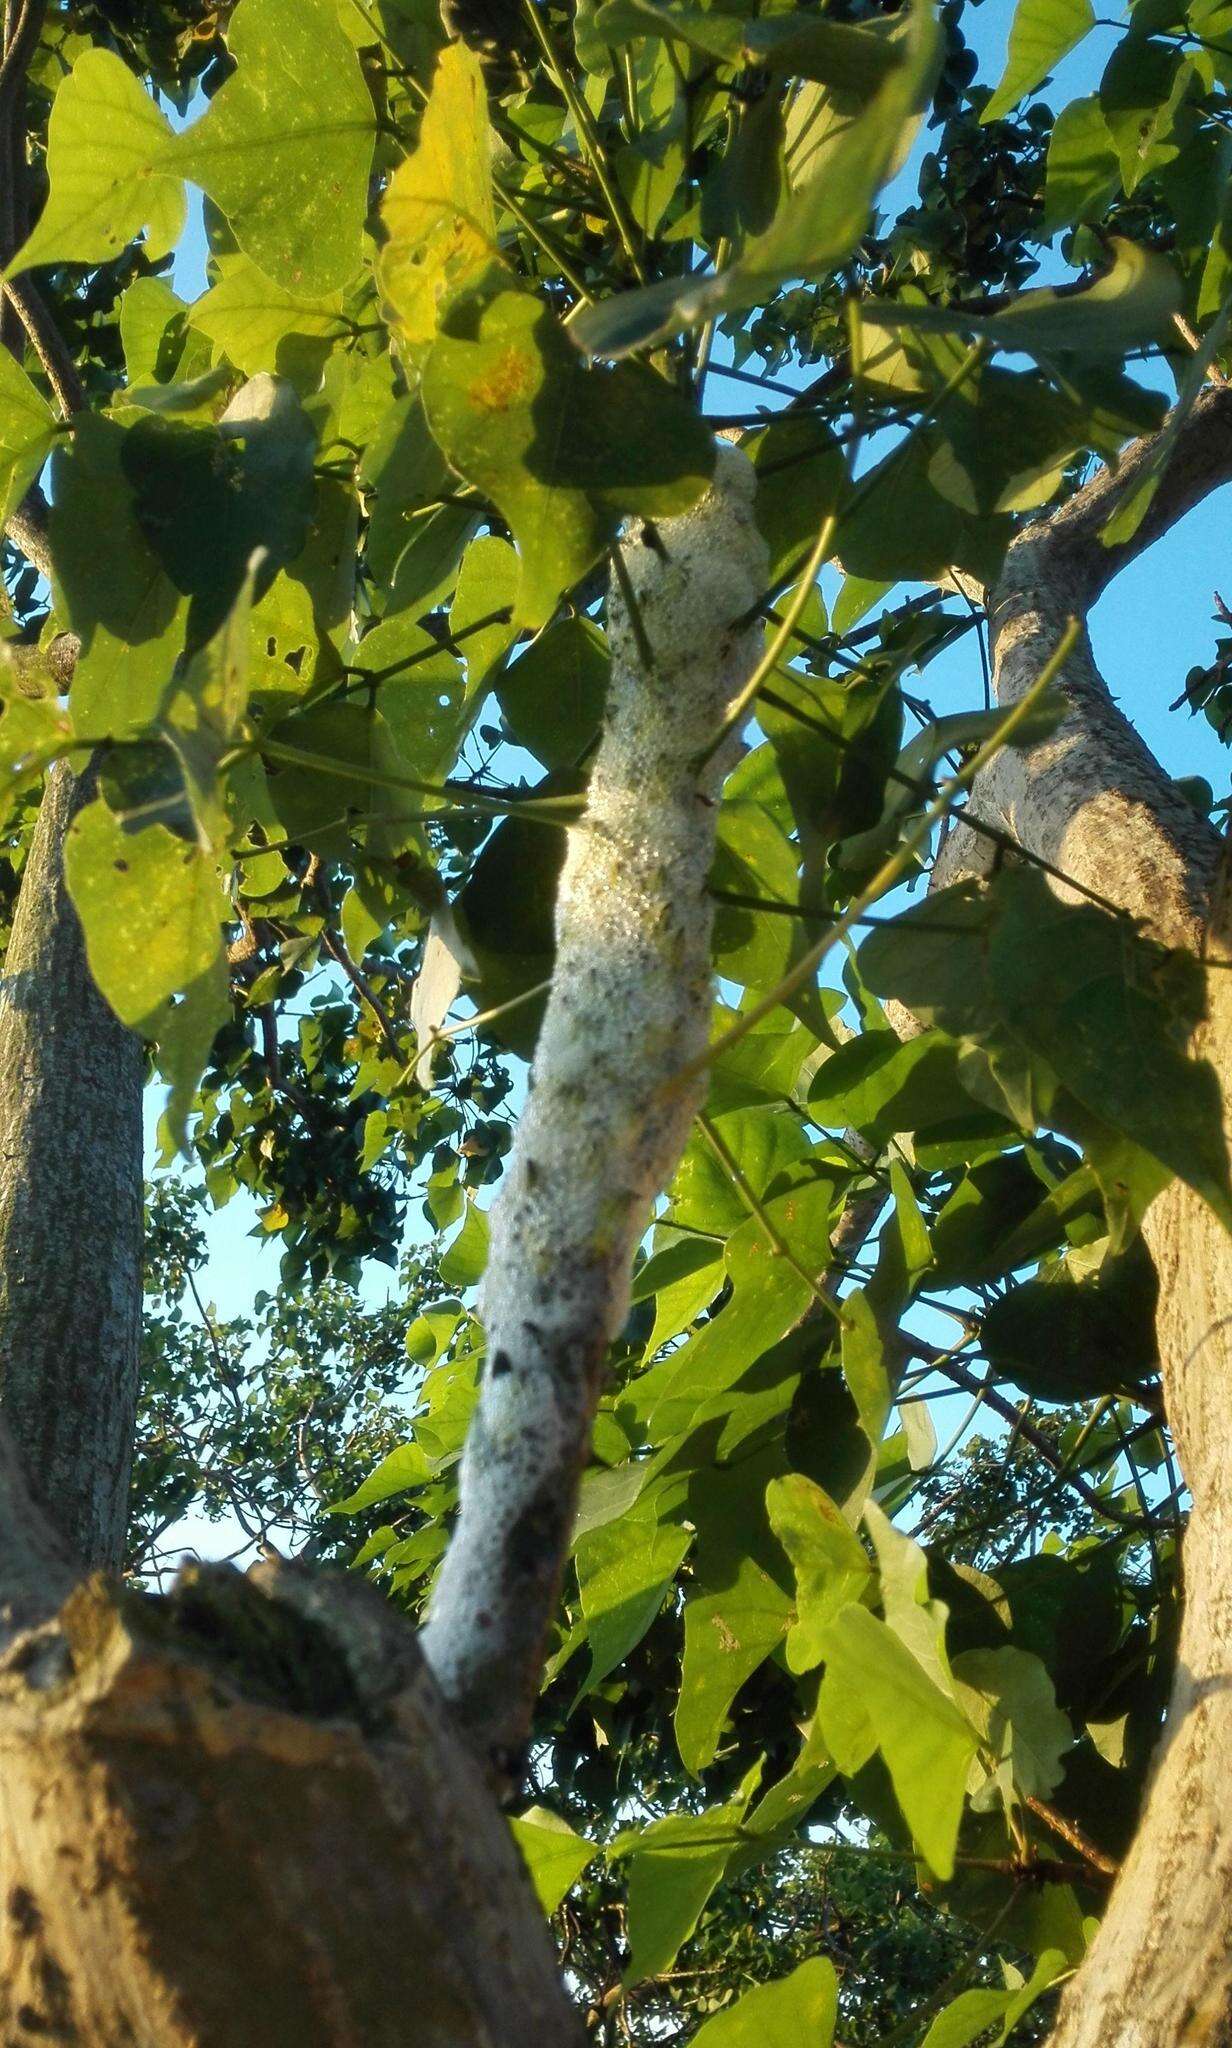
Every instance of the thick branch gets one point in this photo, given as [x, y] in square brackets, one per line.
[242, 1815]
[1093, 801]
[602, 1131]
[70, 1206]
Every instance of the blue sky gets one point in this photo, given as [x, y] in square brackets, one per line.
[1152, 625]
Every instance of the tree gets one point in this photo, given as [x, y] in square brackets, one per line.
[422, 494]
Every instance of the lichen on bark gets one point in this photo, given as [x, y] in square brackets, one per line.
[603, 1127]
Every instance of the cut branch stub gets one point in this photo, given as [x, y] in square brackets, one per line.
[602, 1130]
[229, 1817]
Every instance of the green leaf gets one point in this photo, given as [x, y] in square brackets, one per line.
[792, 2010]
[1127, 306]
[487, 588]
[253, 320]
[927, 1742]
[973, 2013]
[151, 907]
[1111, 1015]
[562, 451]
[438, 211]
[463, 1262]
[110, 162]
[1043, 32]
[674, 1866]
[830, 1563]
[554, 1855]
[285, 147]
[728, 1632]
[27, 431]
[818, 224]
[208, 497]
[881, 1085]
[625, 1568]
[553, 695]
[1009, 1697]
[1141, 95]
[399, 1472]
[1062, 1338]
[803, 45]
[1083, 173]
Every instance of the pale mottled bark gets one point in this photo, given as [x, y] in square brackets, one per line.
[1094, 801]
[70, 1208]
[604, 1125]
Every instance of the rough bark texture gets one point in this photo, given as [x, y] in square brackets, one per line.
[70, 1207]
[603, 1128]
[1094, 801]
[241, 1816]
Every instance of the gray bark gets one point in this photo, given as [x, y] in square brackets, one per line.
[1094, 801]
[70, 1207]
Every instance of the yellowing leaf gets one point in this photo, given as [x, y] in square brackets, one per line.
[561, 450]
[438, 211]
[109, 160]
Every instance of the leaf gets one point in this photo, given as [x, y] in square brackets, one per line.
[1128, 305]
[208, 497]
[151, 908]
[1111, 1015]
[399, 1471]
[1107, 1013]
[27, 432]
[111, 170]
[462, 1264]
[882, 1085]
[1009, 1697]
[1132, 505]
[553, 695]
[487, 588]
[285, 147]
[439, 216]
[728, 1632]
[441, 970]
[251, 318]
[1043, 32]
[625, 1568]
[972, 2014]
[1083, 172]
[562, 451]
[553, 1854]
[818, 224]
[784, 2014]
[804, 45]
[1141, 94]
[1067, 1339]
[927, 1743]
[674, 1866]
[829, 1561]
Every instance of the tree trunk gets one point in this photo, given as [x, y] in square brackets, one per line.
[70, 1206]
[241, 1815]
[1093, 801]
